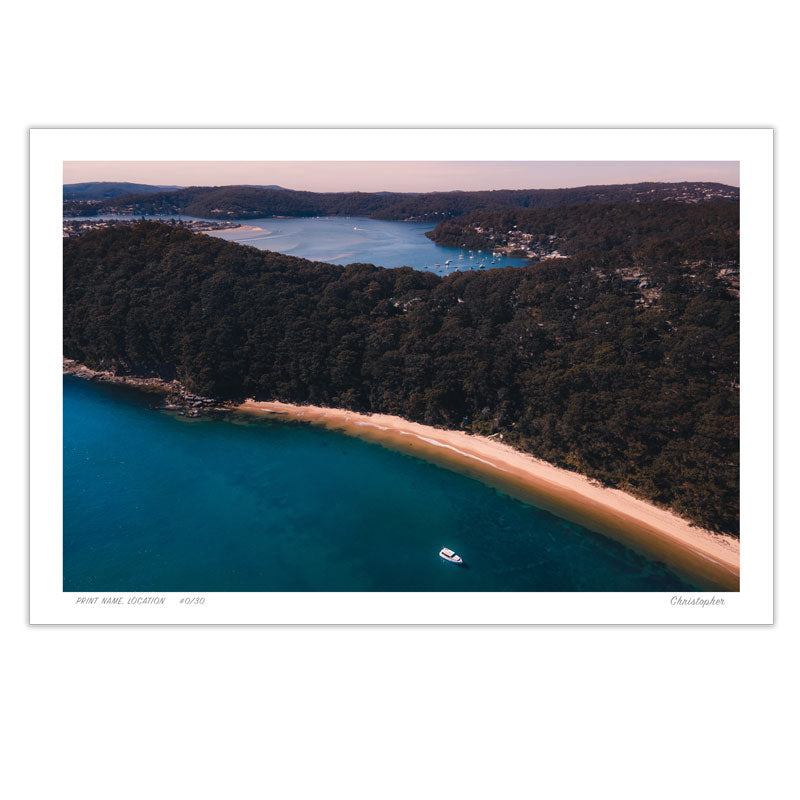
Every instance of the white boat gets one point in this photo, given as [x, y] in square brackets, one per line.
[449, 261]
[448, 555]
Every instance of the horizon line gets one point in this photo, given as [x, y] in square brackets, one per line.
[401, 176]
[275, 187]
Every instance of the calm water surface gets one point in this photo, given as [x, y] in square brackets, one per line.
[158, 502]
[348, 240]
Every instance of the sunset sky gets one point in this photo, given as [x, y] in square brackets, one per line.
[400, 176]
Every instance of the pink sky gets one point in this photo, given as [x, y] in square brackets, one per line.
[400, 176]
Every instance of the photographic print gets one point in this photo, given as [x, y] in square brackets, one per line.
[363, 377]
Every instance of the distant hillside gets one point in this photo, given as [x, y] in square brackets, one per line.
[631, 233]
[104, 190]
[249, 202]
[438, 206]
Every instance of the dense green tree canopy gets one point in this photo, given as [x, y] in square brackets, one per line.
[629, 377]
[629, 233]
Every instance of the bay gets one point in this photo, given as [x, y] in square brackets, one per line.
[158, 502]
[349, 240]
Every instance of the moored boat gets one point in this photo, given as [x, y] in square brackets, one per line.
[448, 555]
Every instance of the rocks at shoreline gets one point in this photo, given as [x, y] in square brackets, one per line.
[177, 398]
[189, 404]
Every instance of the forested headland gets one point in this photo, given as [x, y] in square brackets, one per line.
[252, 202]
[618, 363]
[627, 233]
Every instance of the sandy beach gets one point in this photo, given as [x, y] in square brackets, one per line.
[237, 229]
[710, 560]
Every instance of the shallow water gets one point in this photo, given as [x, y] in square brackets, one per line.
[158, 502]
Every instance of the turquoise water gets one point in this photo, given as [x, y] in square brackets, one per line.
[349, 240]
[158, 502]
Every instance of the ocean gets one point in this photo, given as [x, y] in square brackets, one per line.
[158, 502]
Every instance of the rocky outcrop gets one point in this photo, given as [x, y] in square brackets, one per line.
[176, 396]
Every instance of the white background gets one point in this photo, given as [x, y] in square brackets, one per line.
[751, 148]
[384, 713]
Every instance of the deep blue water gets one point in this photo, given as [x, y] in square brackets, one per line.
[348, 240]
[158, 502]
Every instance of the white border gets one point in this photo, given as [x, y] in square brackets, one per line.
[751, 147]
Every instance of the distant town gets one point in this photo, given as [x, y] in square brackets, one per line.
[76, 227]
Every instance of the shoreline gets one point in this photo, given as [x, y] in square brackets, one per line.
[176, 396]
[708, 559]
